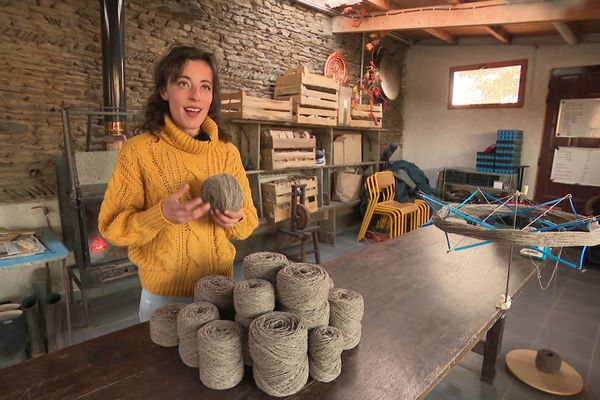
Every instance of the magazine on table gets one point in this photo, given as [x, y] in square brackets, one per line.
[15, 244]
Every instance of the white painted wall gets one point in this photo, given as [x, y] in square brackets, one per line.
[435, 137]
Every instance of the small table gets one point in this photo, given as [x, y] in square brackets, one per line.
[55, 251]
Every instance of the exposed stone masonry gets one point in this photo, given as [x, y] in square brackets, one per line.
[52, 52]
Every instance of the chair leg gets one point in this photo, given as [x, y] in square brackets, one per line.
[315, 236]
[303, 249]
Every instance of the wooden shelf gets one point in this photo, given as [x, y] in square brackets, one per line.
[300, 125]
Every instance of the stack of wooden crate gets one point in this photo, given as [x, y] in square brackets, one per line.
[315, 97]
[238, 105]
[277, 196]
[282, 149]
[361, 116]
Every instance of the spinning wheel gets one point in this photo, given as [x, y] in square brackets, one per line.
[299, 221]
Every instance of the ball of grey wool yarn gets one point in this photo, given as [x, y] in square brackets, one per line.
[325, 346]
[223, 192]
[189, 320]
[220, 357]
[346, 312]
[253, 297]
[264, 265]
[302, 286]
[163, 325]
[278, 344]
[216, 289]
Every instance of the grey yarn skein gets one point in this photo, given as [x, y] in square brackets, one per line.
[163, 325]
[302, 286]
[346, 312]
[264, 265]
[312, 318]
[245, 324]
[223, 192]
[325, 346]
[189, 320]
[220, 361]
[253, 297]
[278, 346]
[215, 289]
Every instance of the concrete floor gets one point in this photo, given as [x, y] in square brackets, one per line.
[564, 317]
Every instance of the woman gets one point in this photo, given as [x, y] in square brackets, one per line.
[172, 236]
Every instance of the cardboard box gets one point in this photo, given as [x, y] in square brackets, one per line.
[347, 149]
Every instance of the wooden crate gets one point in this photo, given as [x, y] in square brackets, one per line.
[315, 97]
[277, 196]
[272, 159]
[316, 116]
[360, 116]
[279, 191]
[239, 105]
[287, 139]
[282, 149]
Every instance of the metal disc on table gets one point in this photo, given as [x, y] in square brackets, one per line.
[566, 382]
[302, 216]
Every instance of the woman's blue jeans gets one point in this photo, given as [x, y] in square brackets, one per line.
[149, 302]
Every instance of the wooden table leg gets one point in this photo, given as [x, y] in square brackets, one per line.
[67, 287]
[493, 340]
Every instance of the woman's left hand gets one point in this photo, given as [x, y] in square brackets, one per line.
[226, 219]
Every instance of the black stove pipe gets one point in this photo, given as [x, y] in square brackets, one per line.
[113, 63]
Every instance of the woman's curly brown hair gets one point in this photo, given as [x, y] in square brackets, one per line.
[169, 69]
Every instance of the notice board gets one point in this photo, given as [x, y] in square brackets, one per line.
[576, 166]
[579, 118]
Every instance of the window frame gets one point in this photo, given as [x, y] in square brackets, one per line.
[498, 64]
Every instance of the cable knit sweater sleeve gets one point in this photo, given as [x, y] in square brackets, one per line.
[246, 226]
[123, 221]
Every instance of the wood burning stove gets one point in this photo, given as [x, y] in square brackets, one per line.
[82, 177]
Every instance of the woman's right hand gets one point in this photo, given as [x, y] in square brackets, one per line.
[180, 213]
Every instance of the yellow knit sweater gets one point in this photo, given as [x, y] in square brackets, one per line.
[172, 257]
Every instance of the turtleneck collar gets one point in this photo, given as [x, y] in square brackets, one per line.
[178, 138]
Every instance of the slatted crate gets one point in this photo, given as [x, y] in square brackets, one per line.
[277, 196]
[282, 149]
[360, 116]
[239, 105]
[315, 97]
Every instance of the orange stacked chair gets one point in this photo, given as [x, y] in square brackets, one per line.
[398, 217]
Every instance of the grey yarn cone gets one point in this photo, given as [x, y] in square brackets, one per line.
[54, 318]
[31, 311]
[12, 338]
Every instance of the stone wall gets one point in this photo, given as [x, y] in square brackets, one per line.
[53, 52]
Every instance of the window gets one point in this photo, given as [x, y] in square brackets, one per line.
[500, 84]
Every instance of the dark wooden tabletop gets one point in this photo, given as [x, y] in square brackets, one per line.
[424, 309]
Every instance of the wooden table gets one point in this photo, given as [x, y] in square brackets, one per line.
[424, 309]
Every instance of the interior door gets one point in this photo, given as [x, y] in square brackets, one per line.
[565, 83]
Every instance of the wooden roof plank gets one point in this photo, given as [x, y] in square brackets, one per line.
[382, 5]
[441, 34]
[493, 12]
[566, 32]
[499, 33]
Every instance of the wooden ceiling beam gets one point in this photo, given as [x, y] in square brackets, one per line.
[481, 13]
[441, 34]
[566, 32]
[381, 5]
[453, 2]
[499, 33]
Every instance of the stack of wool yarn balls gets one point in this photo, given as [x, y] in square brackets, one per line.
[289, 323]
